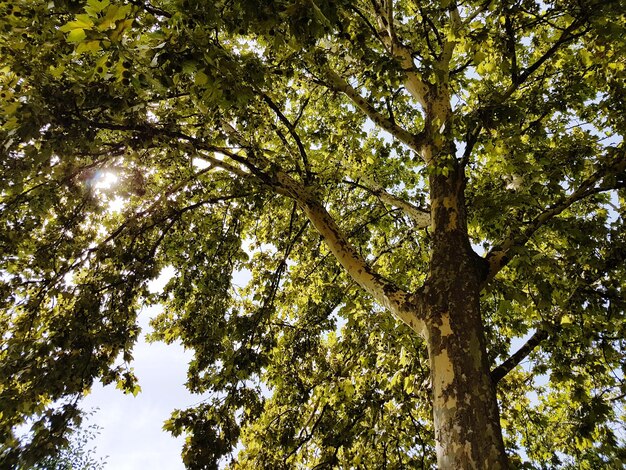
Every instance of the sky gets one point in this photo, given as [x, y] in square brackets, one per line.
[130, 428]
[130, 434]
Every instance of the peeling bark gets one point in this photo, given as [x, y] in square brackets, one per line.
[466, 416]
[405, 306]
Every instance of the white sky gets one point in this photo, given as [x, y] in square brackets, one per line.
[131, 435]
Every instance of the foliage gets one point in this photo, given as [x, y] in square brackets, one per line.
[221, 124]
[79, 456]
[78, 453]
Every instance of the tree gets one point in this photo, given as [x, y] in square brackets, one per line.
[425, 195]
[79, 453]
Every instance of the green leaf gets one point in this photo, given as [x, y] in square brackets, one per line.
[96, 6]
[479, 57]
[82, 23]
[200, 78]
[408, 385]
[76, 35]
[90, 47]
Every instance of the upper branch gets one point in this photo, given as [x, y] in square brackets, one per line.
[292, 131]
[508, 365]
[414, 83]
[421, 217]
[500, 255]
[340, 84]
[566, 36]
[147, 6]
[547, 329]
[149, 131]
[518, 78]
[450, 44]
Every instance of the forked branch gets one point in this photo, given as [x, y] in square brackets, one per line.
[337, 83]
[501, 254]
[568, 35]
[414, 83]
[406, 307]
[292, 131]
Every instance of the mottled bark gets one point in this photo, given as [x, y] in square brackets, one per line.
[402, 304]
[466, 417]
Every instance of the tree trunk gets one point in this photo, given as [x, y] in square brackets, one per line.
[466, 416]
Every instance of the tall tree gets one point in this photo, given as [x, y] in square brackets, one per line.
[425, 195]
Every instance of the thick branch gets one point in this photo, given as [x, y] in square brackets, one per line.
[508, 365]
[339, 84]
[148, 132]
[500, 255]
[402, 304]
[414, 83]
[449, 45]
[390, 26]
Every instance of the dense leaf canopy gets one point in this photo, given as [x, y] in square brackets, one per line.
[186, 134]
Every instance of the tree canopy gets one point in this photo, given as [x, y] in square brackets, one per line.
[375, 167]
